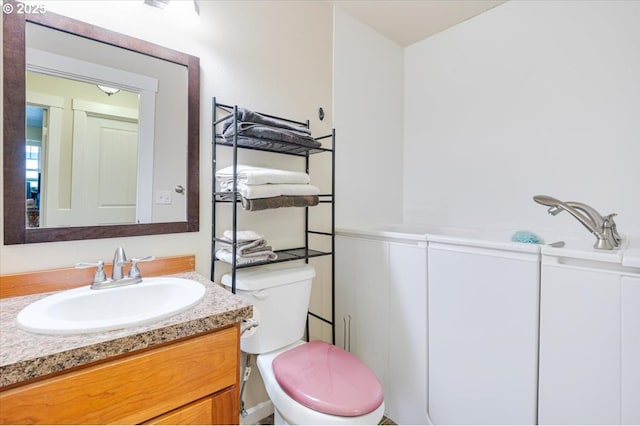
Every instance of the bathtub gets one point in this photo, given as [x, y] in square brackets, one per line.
[470, 281]
[578, 246]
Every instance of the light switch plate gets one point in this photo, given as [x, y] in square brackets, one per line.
[163, 197]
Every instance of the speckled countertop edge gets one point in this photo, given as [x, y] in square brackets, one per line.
[25, 356]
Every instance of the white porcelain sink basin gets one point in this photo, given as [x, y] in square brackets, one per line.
[84, 310]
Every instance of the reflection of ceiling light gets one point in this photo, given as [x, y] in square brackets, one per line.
[108, 90]
[181, 7]
[161, 4]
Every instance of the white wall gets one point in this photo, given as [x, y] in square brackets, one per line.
[270, 56]
[368, 116]
[528, 98]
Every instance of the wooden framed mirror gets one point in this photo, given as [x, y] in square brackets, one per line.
[185, 189]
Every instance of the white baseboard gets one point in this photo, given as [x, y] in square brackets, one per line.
[257, 413]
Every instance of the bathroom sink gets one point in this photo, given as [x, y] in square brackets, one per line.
[84, 310]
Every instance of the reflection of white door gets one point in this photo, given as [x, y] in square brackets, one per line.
[105, 165]
[111, 170]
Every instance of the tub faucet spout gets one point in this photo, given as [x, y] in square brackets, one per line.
[603, 228]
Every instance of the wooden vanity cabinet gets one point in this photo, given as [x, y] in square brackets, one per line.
[192, 381]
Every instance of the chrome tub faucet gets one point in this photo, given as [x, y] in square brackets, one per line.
[602, 227]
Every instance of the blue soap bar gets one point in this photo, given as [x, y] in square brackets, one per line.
[526, 237]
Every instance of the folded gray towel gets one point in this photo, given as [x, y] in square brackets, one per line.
[270, 144]
[226, 256]
[261, 131]
[248, 248]
[281, 201]
[246, 115]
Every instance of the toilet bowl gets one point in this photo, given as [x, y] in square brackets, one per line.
[290, 410]
[308, 383]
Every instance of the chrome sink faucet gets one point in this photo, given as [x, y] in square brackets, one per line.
[119, 260]
[118, 278]
[602, 227]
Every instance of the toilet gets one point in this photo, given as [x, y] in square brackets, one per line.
[308, 383]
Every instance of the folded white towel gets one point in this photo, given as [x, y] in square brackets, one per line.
[242, 235]
[259, 176]
[252, 192]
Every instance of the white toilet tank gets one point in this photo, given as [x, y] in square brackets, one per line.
[280, 298]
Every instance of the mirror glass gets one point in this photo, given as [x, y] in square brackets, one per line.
[109, 140]
[87, 145]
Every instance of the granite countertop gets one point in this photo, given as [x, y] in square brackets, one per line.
[25, 356]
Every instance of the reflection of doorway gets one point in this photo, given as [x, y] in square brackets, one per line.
[34, 161]
[53, 204]
[105, 164]
[36, 129]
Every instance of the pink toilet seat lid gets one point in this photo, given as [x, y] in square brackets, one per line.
[328, 379]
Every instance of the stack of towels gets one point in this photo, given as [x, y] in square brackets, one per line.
[261, 188]
[263, 131]
[251, 248]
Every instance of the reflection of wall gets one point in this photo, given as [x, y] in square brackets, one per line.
[69, 90]
[34, 133]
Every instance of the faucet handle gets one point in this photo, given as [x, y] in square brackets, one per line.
[610, 225]
[608, 222]
[134, 271]
[99, 276]
[614, 231]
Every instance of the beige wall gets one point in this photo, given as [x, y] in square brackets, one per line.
[272, 56]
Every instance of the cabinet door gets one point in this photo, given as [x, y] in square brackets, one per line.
[630, 350]
[196, 413]
[579, 346]
[406, 394]
[219, 409]
[483, 333]
[362, 301]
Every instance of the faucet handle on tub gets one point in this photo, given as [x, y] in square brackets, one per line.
[99, 276]
[610, 229]
[134, 272]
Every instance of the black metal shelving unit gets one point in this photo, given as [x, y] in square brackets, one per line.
[232, 198]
